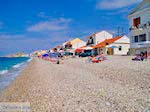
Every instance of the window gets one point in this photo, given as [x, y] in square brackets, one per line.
[136, 39]
[92, 41]
[88, 42]
[136, 21]
[120, 48]
[142, 38]
[107, 43]
[132, 39]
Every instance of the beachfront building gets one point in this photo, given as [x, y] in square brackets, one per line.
[58, 48]
[98, 37]
[139, 20]
[39, 52]
[113, 46]
[119, 47]
[74, 44]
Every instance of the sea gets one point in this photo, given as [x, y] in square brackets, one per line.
[10, 68]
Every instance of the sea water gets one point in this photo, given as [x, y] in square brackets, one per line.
[10, 69]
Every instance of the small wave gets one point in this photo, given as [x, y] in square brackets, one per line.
[29, 60]
[17, 65]
[3, 72]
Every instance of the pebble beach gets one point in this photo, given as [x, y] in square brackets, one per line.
[114, 85]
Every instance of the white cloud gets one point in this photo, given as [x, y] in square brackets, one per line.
[10, 43]
[115, 4]
[50, 25]
[43, 15]
[18, 43]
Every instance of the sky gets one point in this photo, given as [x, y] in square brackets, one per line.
[29, 25]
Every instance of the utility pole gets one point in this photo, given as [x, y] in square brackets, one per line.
[122, 31]
[118, 31]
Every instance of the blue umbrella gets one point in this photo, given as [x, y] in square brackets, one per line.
[113, 47]
[54, 55]
[45, 55]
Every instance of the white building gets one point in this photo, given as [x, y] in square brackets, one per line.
[114, 46]
[120, 46]
[78, 45]
[98, 37]
[140, 28]
[75, 43]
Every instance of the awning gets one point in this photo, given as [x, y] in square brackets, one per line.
[112, 47]
[88, 48]
[79, 50]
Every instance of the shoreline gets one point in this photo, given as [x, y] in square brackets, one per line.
[7, 76]
[76, 85]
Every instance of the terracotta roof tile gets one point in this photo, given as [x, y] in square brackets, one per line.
[107, 42]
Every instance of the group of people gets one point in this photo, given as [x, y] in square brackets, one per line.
[56, 57]
[142, 56]
[96, 58]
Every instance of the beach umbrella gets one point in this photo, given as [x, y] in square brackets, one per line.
[79, 50]
[54, 55]
[61, 51]
[45, 55]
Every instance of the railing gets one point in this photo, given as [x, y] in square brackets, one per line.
[140, 26]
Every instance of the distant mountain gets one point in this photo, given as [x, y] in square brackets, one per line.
[20, 54]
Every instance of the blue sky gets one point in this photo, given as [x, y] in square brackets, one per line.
[28, 25]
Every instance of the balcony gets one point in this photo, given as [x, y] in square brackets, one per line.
[140, 44]
[140, 26]
[90, 42]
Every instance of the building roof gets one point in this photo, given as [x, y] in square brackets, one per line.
[73, 41]
[107, 42]
[76, 40]
[145, 4]
[123, 39]
[98, 33]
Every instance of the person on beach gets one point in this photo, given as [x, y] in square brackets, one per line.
[90, 59]
[137, 58]
[145, 55]
[142, 56]
[100, 57]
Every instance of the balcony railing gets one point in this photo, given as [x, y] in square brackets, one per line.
[89, 43]
[140, 26]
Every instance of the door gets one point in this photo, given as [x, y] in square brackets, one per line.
[110, 51]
